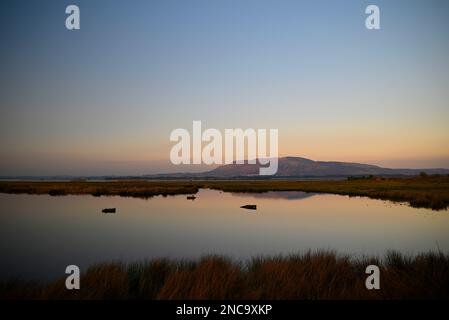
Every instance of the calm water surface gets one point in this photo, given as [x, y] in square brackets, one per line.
[41, 235]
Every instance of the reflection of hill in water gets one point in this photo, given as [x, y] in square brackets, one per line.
[286, 195]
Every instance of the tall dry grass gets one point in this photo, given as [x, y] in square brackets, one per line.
[318, 275]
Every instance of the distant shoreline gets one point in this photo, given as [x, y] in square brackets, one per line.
[419, 192]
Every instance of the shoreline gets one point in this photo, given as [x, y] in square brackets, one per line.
[419, 192]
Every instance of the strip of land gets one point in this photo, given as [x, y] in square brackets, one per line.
[420, 192]
[317, 275]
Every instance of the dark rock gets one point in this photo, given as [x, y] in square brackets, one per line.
[249, 207]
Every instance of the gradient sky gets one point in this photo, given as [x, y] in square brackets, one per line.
[104, 99]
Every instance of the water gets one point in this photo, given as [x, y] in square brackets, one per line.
[41, 235]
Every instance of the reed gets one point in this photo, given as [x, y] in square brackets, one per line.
[311, 275]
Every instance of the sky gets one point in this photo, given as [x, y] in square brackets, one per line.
[104, 99]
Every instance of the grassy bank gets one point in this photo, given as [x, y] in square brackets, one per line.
[420, 192]
[131, 188]
[320, 275]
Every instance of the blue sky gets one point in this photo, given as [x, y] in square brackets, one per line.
[104, 99]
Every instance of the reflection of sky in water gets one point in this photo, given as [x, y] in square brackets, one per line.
[286, 195]
[40, 235]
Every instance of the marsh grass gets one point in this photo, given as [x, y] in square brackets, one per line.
[420, 192]
[312, 275]
[126, 188]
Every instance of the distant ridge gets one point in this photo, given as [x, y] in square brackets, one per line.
[302, 167]
[288, 167]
